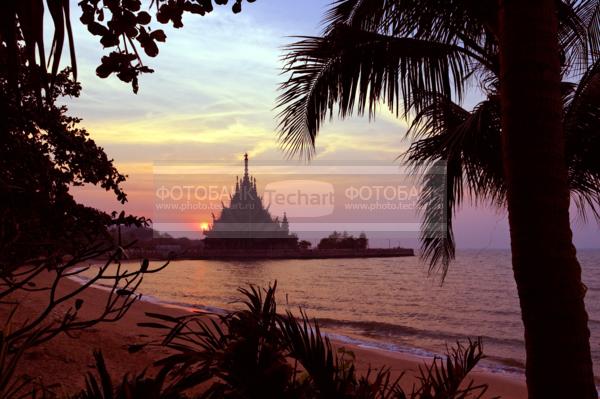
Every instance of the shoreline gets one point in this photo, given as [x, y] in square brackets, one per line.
[415, 353]
[492, 366]
[66, 360]
[282, 254]
[502, 382]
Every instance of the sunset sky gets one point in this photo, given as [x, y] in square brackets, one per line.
[212, 98]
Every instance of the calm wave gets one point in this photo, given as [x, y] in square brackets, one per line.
[389, 303]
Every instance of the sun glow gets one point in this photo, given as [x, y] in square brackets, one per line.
[204, 226]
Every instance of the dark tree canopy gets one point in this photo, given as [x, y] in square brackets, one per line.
[344, 240]
[44, 231]
[124, 27]
[44, 152]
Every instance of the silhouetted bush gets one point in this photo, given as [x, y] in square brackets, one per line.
[257, 353]
[140, 386]
[344, 241]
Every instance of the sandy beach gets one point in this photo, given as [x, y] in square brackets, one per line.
[66, 360]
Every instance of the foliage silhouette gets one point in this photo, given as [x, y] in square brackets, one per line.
[43, 153]
[364, 60]
[344, 241]
[528, 145]
[256, 352]
[45, 232]
[120, 24]
[140, 386]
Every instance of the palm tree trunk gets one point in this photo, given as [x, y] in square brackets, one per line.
[545, 266]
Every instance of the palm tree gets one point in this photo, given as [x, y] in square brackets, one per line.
[545, 265]
[423, 54]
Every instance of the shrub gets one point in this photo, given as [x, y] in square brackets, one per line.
[257, 353]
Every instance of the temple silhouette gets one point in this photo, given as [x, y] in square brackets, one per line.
[246, 223]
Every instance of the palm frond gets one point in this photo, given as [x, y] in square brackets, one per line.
[446, 379]
[454, 150]
[138, 386]
[368, 15]
[436, 202]
[357, 70]
[314, 352]
[588, 12]
[582, 131]
[573, 37]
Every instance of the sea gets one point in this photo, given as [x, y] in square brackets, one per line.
[391, 304]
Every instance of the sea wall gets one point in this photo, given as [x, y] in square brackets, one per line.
[303, 254]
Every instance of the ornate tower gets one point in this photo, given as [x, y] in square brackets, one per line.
[285, 224]
[246, 223]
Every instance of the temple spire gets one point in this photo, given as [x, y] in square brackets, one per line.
[285, 224]
[246, 210]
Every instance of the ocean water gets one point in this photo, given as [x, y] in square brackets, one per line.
[387, 303]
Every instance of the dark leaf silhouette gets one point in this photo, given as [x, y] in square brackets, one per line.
[45, 231]
[24, 21]
[418, 57]
[255, 352]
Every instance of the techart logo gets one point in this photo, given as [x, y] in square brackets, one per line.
[300, 198]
